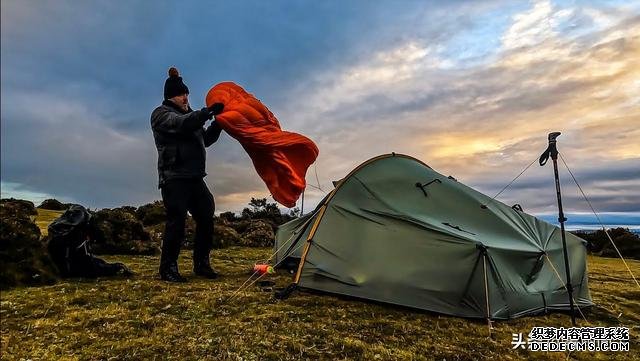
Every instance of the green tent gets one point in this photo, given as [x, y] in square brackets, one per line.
[396, 231]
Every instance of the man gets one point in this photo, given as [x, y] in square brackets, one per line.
[181, 139]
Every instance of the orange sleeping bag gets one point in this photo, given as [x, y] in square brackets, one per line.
[281, 158]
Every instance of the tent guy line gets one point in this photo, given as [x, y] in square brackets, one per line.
[601, 223]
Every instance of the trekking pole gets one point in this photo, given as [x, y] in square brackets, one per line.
[552, 151]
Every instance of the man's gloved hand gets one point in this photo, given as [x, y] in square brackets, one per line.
[216, 108]
[207, 114]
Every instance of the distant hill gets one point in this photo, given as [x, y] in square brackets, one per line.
[588, 222]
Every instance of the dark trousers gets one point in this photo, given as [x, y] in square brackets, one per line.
[180, 196]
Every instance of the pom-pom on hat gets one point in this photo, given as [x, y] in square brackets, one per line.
[174, 86]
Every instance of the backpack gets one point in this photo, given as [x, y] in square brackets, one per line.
[70, 250]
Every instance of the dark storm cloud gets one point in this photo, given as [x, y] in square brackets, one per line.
[360, 78]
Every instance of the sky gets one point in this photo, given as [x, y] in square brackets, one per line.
[469, 87]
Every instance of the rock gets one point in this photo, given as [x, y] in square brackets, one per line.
[259, 233]
[117, 231]
[24, 259]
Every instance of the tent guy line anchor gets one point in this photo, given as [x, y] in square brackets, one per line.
[246, 283]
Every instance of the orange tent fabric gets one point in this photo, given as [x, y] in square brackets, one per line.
[281, 158]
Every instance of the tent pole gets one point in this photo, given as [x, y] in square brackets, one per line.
[296, 279]
[552, 151]
[307, 245]
[302, 210]
[486, 289]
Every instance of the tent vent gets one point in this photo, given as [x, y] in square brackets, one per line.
[422, 186]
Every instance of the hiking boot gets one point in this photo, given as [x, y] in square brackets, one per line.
[203, 268]
[171, 274]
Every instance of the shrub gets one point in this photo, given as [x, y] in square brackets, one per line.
[259, 233]
[115, 231]
[151, 214]
[599, 244]
[18, 206]
[261, 209]
[24, 259]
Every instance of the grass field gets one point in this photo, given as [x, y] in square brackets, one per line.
[145, 318]
[45, 217]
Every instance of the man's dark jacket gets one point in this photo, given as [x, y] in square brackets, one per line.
[181, 140]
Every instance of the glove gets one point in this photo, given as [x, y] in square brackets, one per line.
[216, 108]
[207, 114]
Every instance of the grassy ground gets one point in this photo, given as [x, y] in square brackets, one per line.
[145, 318]
[45, 217]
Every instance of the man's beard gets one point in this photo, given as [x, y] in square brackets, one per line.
[185, 106]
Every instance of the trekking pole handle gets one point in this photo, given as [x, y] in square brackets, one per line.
[552, 150]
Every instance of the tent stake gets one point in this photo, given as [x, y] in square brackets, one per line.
[552, 151]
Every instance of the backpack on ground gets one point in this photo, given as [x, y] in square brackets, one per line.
[69, 247]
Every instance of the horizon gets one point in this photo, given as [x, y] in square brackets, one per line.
[575, 221]
[470, 88]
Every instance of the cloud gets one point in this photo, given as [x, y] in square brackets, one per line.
[470, 88]
[487, 121]
[20, 192]
[64, 147]
[75, 114]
